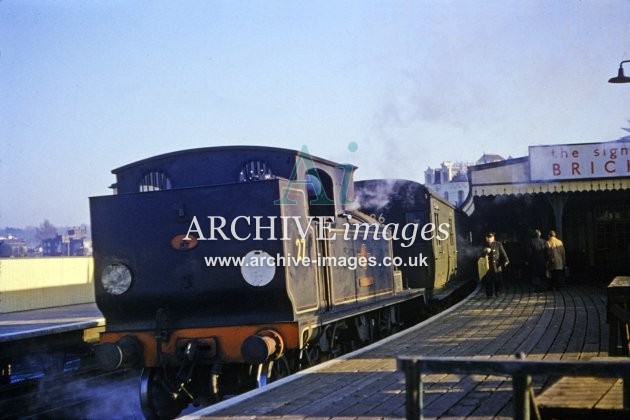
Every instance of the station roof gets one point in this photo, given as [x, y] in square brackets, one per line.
[554, 169]
[609, 184]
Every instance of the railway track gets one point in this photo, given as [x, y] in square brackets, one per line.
[86, 392]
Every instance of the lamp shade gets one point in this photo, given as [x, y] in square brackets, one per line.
[621, 78]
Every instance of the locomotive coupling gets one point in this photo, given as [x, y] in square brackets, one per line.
[126, 352]
[262, 346]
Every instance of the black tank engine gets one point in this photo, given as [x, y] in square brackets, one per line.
[221, 268]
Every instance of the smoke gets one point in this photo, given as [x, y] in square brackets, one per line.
[423, 119]
[380, 196]
[394, 143]
[374, 194]
[102, 396]
[465, 245]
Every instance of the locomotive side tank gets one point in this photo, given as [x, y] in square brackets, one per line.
[218, 267]
[401, 203]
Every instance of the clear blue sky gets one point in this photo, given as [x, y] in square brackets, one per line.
[88, 86]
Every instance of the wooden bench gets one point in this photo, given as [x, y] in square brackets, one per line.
[520, 370]
[583, 398]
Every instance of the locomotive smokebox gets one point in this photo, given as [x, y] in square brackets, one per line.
[260, 347]
[126, 352]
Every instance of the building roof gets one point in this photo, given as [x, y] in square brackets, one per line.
[460, 177]
[488, 158]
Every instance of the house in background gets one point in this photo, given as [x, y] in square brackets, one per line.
[11, 247]
[450, 180]
[73, 243]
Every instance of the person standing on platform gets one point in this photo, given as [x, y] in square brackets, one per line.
[537, 261]
[556, 261]
[497, 261]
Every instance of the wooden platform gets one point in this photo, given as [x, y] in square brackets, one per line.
[563, 325]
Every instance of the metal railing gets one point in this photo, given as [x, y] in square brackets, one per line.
[521, 371]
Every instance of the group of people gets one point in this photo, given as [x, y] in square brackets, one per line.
[546, 262]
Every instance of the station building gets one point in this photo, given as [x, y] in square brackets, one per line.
[582, 191]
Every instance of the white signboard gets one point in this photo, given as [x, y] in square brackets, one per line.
[578, 161]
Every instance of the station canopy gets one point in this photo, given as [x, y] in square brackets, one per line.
[553, 169]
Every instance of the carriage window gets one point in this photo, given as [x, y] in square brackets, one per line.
[155, 181]
[436, 220]
[255, 170]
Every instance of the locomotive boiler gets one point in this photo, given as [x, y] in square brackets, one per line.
[221, 268]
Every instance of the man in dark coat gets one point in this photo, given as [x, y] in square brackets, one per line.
[537, 250]
[497, 261]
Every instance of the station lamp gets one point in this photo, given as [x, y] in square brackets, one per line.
[621, 78]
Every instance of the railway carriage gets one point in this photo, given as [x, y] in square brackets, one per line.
[403, 203]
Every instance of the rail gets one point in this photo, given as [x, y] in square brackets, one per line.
[618, 316]
[520, 369]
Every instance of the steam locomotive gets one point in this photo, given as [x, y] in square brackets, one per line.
[226, 267]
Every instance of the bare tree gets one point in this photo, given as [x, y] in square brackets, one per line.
[45, 230]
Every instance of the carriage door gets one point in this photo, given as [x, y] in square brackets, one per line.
[441, 257]
[452, 250]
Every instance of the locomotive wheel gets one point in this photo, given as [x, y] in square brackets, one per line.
[155, 400]
[312, 356]
[280, 369]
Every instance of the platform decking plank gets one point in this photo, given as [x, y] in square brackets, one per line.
[595, 329]
[575, 346]
[535, 328]
[377, 395]
[544, 346]
[337, 399]
[560, 343]
[529, 324]
[496, 402]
